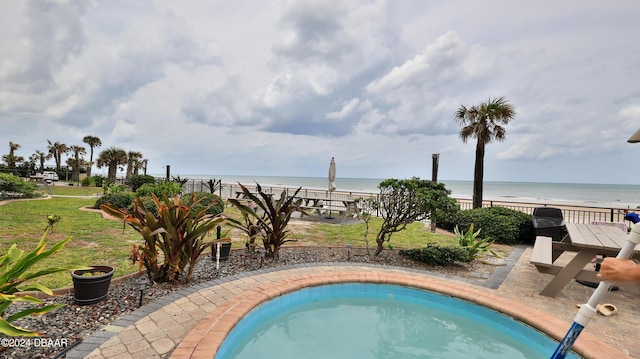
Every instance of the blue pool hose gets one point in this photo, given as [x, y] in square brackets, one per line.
[588, 310]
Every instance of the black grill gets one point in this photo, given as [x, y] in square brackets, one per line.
[548, 222]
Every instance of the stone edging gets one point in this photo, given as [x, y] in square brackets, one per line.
[207, 336]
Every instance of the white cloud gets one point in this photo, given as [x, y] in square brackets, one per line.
[274, 87]
[631, 111]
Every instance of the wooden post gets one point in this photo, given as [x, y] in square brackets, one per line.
[168, 172]
[434, 169]
[434, 177]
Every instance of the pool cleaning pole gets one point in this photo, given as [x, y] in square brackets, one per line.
[588, 310]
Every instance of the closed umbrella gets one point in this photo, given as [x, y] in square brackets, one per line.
[332, 185]
[635, 138]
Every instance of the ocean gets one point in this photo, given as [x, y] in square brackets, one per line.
[581, 194]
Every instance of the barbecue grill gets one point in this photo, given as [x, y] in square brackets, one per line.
[548, 222]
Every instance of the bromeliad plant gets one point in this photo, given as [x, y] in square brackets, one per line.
[273, 220]
[474, 246]
[14, 272]
[175, 235]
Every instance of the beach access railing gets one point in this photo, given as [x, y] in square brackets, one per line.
[233, 190]
[572, 213]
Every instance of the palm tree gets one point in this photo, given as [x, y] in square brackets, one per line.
[76, 162]
[56, 150]
[112, 157]
[483, 122]
[93, 142]
[142, 165]
[11, 159]
[133, 158]
[39, 157]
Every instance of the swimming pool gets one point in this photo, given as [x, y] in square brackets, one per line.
[358, 320]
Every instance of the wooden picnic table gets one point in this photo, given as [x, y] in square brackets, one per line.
[347, 207]
[587, 241]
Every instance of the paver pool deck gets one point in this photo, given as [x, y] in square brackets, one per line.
[192, 323]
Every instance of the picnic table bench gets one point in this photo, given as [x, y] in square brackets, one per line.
[587, 241]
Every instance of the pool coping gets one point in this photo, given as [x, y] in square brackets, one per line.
[205, 338]
[158, 328]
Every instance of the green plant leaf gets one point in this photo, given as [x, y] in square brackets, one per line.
[7, 329]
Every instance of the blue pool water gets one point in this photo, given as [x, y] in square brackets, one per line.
[380, 321]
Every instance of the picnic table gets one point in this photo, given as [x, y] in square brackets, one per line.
[347, 207]
[587, 241]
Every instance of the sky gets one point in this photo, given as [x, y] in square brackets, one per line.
[277, 88]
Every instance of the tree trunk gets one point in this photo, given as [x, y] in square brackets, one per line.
[90, 163]
[111, 178]
[478, 175]
[380, 242]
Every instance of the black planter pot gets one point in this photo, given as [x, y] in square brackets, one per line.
[91, 289]
[225, 249]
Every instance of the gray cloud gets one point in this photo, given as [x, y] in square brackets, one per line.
[375, 83]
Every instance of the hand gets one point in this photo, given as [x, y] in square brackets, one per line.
[619, 270]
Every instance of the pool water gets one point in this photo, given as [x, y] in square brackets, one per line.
[380, 321]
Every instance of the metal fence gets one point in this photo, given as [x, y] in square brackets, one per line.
[572, 214]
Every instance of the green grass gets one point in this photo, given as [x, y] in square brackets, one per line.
[76, 190]
[96, 240]
[415, 235]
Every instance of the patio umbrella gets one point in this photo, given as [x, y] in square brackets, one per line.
[635, 138]
[332, 185]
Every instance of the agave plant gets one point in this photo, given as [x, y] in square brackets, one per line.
[474, 246]
[176, 232]
[14, 267]
[273, 218]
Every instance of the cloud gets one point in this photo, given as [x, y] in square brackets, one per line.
[420, 94]
[631, 111]
[275, 87]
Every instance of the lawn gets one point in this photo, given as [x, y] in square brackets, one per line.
[96, 240]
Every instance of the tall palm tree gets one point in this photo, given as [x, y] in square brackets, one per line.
[11, 159]
[484, 123]
[76, 161]
[93, 142]
[111, 158]
[56, 149]
[133, 157]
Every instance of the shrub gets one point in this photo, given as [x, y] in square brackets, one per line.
[138, 180]
[14, 186]
[114, 188]
[88, 182]
[99, 180]
[434, 254]
[148, 203]
[474, 246]
[167, 188]
[402, 202]
[213, 204]
[14, 266]
[503, 225]
[173, 239]
[118, 200]
[146, 189]
[272, 220]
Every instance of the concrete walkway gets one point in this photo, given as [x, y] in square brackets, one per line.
[193, 322]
